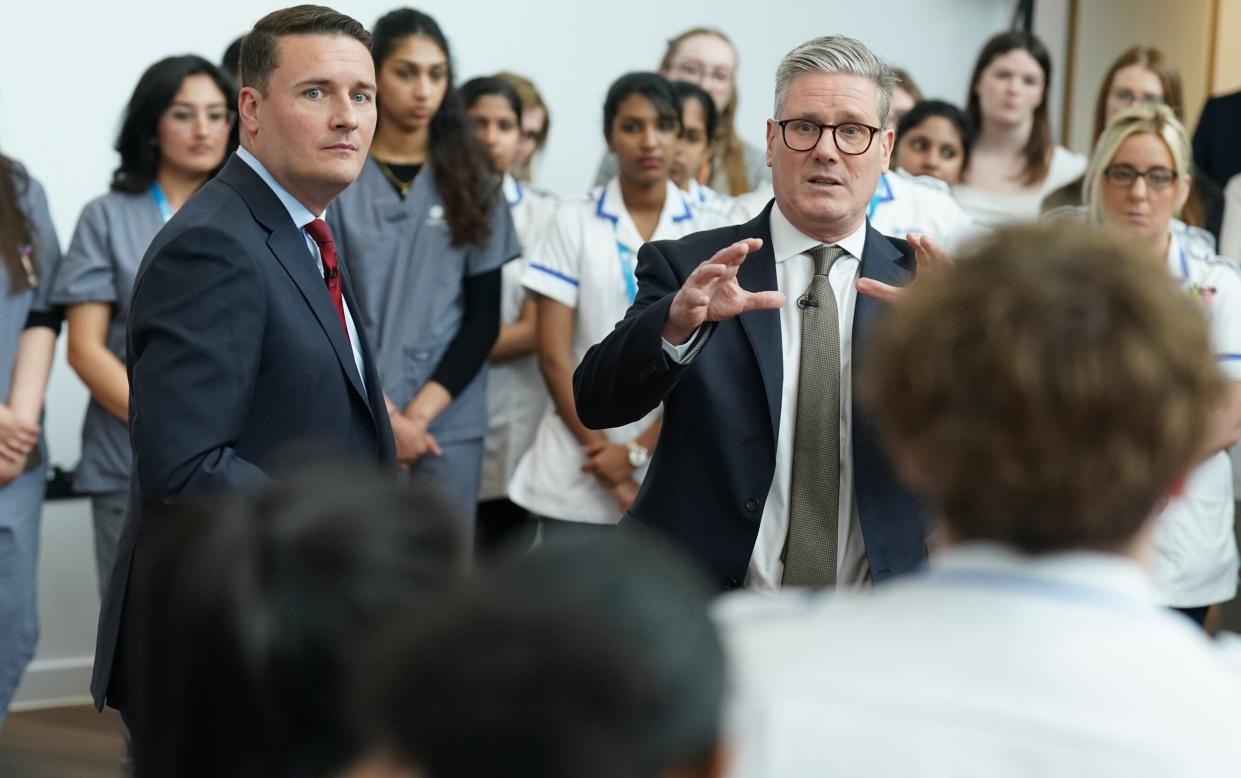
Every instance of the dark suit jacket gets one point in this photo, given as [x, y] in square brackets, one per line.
[235, 357]
[1217, 149]
[714, 464]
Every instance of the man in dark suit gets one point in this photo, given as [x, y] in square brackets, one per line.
[766, 469]
[1217, 154]
[242, 343]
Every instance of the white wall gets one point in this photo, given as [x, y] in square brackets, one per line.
[67, 67]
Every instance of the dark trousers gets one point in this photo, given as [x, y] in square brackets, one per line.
[502, 526]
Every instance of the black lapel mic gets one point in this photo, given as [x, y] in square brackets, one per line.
[331, 275]
[807, 301]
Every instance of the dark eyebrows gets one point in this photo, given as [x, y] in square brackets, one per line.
[441, 63]
[320, 82]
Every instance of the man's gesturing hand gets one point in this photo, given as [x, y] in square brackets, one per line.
[930, 257]
[711, 293]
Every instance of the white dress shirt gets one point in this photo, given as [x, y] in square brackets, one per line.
[991, 663]
[794, 269]
[301, 216]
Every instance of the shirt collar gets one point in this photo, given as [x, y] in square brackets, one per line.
[610, 205]
[1113, 575]
[300, 214]
[514, 192]
[787, 241]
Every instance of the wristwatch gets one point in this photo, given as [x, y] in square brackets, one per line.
[638, 454]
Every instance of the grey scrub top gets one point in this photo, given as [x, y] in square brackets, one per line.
[16, 306]
[408, 278]
[112, 235]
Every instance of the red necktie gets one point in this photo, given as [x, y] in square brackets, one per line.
[320, 234]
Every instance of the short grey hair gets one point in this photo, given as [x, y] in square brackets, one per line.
[837, 54]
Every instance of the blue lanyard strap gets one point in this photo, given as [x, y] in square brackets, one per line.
[627, 267]
[883, 194]
[161, 202]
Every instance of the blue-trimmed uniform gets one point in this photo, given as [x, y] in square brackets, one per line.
[1196, 560]
[516, 395]
[586, 261]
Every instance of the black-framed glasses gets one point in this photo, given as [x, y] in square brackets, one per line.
[851, 138]
[1157, 178]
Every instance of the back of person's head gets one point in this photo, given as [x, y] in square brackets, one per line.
[1047, 393]
[582, 659]
[253, 610]
[156, 90]
[260, 48]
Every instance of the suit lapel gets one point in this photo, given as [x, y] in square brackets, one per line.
[762, 328]
[289, 246]
[883, 262]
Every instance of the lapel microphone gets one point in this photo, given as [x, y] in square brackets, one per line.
[807, 301]
[331, 275]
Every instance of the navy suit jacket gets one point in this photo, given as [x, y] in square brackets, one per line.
[1217, 152]
[716, 456]
[236, 359]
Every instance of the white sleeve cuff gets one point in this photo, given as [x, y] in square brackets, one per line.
[683, 353]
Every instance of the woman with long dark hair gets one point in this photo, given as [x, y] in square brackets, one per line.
[29, 254]
[1014, 162]
[177, 130]
[425, 232]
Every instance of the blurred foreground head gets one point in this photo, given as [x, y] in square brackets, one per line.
[254, 611]
[1047, 393]
[582, 659]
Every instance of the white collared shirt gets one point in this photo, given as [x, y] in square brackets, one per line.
[991, 663]
[794, 269]
[301, 216]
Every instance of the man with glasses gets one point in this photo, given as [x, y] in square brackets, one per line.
[766, 469]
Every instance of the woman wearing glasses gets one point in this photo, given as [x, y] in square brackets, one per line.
[707, 58]
[177, 131]
[1015, 163]
[582, 276]
[1137, 182]
[1143, 76]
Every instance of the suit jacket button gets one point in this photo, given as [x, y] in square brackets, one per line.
[731, 583]
[752, 504]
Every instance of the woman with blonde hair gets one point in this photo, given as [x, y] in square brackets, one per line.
[707, 58]
[1137, 181]
[1143, 76]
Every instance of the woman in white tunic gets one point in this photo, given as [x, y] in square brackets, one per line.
[583, 275]
[516, 396]
[1014, 163]
[177, 131]
[29, 254]
[1138, 179]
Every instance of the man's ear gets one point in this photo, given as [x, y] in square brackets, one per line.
[249, 105]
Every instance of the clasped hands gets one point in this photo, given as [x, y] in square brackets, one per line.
[412, 436]
[711, 292]
[17, 439]
[609, 463]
